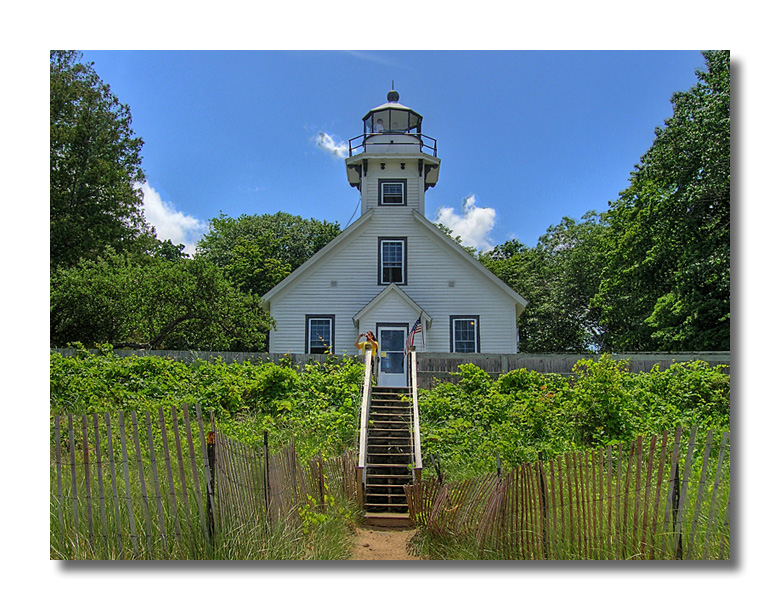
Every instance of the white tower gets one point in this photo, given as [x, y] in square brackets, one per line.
[392, 163]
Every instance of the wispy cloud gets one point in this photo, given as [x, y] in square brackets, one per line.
[169, 223]
[328, 143]
[377, 59]
[472, 223]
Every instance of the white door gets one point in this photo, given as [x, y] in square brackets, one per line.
[392, 365]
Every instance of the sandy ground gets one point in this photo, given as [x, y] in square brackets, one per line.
[382, 543]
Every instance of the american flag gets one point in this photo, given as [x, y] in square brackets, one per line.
[416, 328]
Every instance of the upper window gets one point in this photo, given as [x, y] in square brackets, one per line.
[392, 260]
[319, 334]
[464, 336]
[392, 192]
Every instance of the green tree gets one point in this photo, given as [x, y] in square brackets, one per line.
[559, 278]
[150, 302]
[256, 252]
[666, 280]
[95, 166]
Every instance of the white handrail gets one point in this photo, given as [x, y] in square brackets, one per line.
[415, 414]
[366, 402]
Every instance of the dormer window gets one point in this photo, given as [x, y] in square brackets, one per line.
[392, 192]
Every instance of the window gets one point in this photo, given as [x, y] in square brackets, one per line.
[392, 192]
[392, 260]
[464, 334]
[319, 334]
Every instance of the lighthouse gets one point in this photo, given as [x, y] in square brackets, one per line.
[392, 163]
[392, 271]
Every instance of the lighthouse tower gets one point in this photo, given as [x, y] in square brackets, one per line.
[392, 163]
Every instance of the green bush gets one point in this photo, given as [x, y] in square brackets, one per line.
[315, 405]
[524, 414]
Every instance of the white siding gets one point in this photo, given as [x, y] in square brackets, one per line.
[431, 266]
[414, 184]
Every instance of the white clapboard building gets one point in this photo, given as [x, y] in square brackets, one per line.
[392, 266]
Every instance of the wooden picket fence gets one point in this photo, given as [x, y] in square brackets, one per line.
[141, 485]
[663, 499]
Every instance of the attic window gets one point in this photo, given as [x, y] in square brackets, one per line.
[392, 192]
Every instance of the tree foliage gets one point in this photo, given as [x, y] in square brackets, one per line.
[150, 302]
[256, 252]
[558, 277]
[666, 281]
[652, 273]
[95, 166]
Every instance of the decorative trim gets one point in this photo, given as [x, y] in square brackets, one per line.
[392, 289]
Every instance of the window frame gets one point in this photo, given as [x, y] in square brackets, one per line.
[307, 332]
[475, 319]
[380, 261]
[381, 195]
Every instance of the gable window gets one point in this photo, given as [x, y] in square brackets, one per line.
[392, 192]
[464, 334]
[392, 260]
[319, 334]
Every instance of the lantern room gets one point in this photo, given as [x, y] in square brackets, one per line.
[392, 139]
[392, 117]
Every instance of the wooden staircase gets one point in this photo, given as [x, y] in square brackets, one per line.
[389, 457]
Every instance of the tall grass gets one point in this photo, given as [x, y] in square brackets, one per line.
[117, 496]
[327, 538]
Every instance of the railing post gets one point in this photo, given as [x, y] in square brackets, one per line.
[415, 416]
[363, 438]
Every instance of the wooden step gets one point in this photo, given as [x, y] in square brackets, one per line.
[382, 519]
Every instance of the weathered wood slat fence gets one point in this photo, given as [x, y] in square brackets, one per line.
[143, 487]
[663, 499]
[444, 366]
[253, 484]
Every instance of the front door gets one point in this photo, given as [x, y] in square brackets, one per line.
[392, 365]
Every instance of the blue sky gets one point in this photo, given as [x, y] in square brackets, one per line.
[525, 137]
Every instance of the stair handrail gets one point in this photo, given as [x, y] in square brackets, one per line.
[365, 403]
[415, 416]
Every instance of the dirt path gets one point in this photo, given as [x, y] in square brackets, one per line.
[382, 543]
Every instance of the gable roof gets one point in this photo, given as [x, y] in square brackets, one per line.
[345, 236]
[520, 302]
[392, 289]
[320, 254]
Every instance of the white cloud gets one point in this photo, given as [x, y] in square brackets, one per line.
[328, 143]
[169, 223]
[473, 224]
